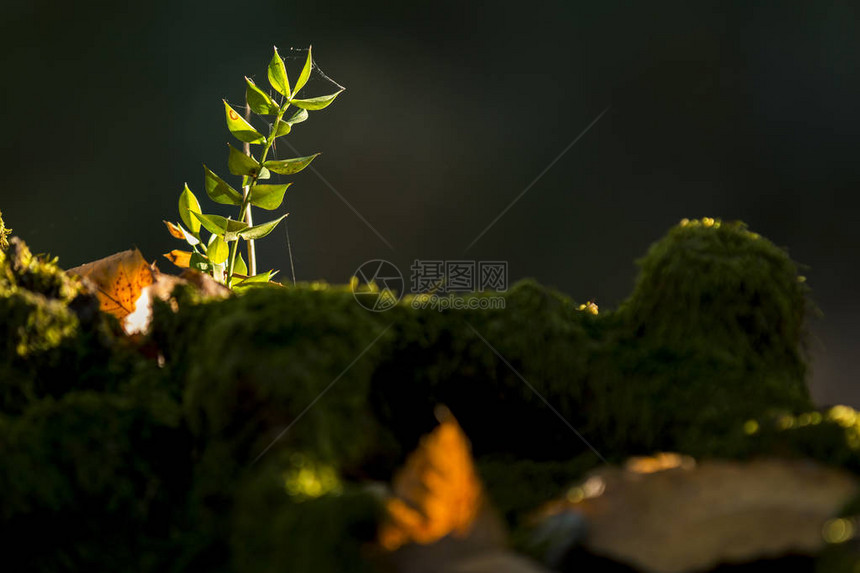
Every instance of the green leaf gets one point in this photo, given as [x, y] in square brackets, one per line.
[218, 250]
[200, 263]
[219, 191]
[188, 203]
[298, 117]
[257, 279]
[268, 197]
[264, 174]
[241, 129]
[306, 73]
[239, 267]
[278, 75]
[259, 100]
[183, 234]
[217, 225]
[283, 128]
[290, 166]
[260, 231]
[240, 164]
[315, 103]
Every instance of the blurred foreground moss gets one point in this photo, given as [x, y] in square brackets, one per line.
[249, 445]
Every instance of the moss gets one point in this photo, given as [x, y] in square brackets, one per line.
[710, 339]
[712, 335]
[4, 233]
[286, 368]
[831, 435]
[256, 362]
[544, 345]
[34, 297]
[307, 529]
[713, 332]
[93, 476]
[54, 339]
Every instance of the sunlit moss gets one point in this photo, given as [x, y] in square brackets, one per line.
[750, 427]
[845, 416]
[307, 479]
[590, 307]
[4, 233]
[838, 530]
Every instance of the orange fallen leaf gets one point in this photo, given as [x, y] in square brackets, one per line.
[119, 280]
[181, 259]
[437, 492]
[174, 230]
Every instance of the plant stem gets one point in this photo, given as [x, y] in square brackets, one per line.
[252, 252]
[245, 209]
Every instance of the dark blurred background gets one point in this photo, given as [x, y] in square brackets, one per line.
[735, 110]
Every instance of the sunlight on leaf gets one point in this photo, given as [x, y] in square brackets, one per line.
[241, 129]
[298, 117]
[437, 492]
[241, 268]
[188, 203]
[306, 73]
[240, 164]
[260, 231]
[315, 103]
[290, 166]
[259, 100]
[283, 129]
[268, 197]
[218, 225]
[278, 75]
[119, 280]
[181, 259]
[218, 189]
[218, 251]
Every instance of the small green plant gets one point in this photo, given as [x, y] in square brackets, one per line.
[219, 255]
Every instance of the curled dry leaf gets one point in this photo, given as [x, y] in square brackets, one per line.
[126, 285]
[437, 492]
[118, 280]
[162, 289]
[181, 259]
[174, 230]
[669, 514]
[439, 518]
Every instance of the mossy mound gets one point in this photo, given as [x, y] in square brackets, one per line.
[277, 406]
[54, 339]
[711, 336]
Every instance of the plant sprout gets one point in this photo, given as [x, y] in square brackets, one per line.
[219, 255]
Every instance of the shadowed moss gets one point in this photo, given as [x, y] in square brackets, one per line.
[252, 365]
[711, 336]
[93, 477]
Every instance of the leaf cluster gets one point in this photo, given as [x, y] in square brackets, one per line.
[218, 254]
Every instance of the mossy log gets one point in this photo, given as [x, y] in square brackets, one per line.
[164, 456]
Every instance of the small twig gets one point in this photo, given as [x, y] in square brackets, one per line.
[252, 253]
[290, 252]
